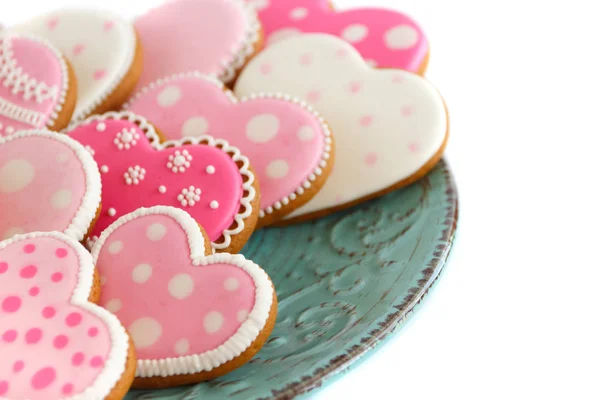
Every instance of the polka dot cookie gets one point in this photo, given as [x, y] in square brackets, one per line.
[104, 51]
[215, 37]
[48, 182]
[289, 145]
[391, 125]
[385, 38]
[192, 316]
[208, 178]
[37, 86]
[55, 343]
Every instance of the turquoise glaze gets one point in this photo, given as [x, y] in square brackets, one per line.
[344, 284]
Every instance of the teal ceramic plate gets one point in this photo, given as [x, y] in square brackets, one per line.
[344, 284]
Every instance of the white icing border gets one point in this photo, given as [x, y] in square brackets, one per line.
[233, 152]
[86, 213]
[242, 338]
[114, 366]
[64, 72]
[327, 146]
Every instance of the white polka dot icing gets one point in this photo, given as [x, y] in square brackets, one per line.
[170, 278]
[369, 159]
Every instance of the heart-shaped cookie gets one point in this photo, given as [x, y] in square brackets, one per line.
[55, 343]
[208, 178]
[48, 182]
[37, 88]
[215, 37]
[192, 316]
[104, 50]
[385, 38]
[287, 142]
[391, 125]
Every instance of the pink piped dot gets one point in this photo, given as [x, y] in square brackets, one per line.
[99, 74]
[355, 87]
[313, 96]
[108, 25]
[60, 342]
[97, 362]
[33, 336]
[77, 359]
[398, 79]
[306, 59]
[34, 291]
[73, 319]
[78, 49]
[371, 159]
[341, 52]
[56, 277]
[52, 23]
[339, 199]
[9, 336]
[18, 366]
[266, 69]
[61, 252]
[413, 147]
[67, 389]
[11, 304]
[3, 388]
[93, 332]
[48, 312]
[29, 248]
[3, 267]
[43, 378]
[366, 121]
[28, 272]
[406, 111]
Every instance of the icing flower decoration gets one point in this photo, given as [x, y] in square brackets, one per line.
[189, 196]
[127, 139]
[134, 175]
[157, 268]
[179, 161]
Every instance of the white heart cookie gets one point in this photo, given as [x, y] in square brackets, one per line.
[391, 125]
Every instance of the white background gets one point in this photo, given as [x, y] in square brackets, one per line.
[517, 313]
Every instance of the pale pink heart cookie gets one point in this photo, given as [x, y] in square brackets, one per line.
[215, 37]
[55, 343]
[48, 182]
[103, 49]
[192, 316]
[391, 125]
[36, 90]
[386, 38]
[208, 178]
[287, 142]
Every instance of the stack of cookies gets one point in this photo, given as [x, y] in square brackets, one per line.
[137, 159]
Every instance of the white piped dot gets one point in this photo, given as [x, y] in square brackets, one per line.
[182, 346]
[114, 305]
[61, 199]
[169, 96]
[16, 175]
[112, 212]
[262, 128]
[401, 37]
[104, 169]
[162, 189]
[115, 247]
[101, 127]
[213, 321]
[277, 169]
[194, 126]
[231, 284]
[210, 169]
[214, 204]
[145, 332]
[355, 33]
[298, 13]
[156, 232]
[242, 315]
[181, 286]
[141, 273]
[306, 133]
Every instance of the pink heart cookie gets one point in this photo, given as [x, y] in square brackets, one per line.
[35, 85]
[48, 182]
[385, 38]
[288, 143]
[192, 316]
[208, 178]
[55, 343]
[215, 37]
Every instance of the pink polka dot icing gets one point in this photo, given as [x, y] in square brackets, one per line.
[224, 34]
[34, 81]
[136, 173]
[287, 143]
[389, 38]
[37, 351]
[48, 182]
[152, 286]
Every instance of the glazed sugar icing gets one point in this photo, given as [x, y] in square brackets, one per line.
[397, 125]
[54, 343]
[215, 37]
[48, 182]
[385, 38]
[195, 175]
[34, 82]
[155, 273]
[287, 142]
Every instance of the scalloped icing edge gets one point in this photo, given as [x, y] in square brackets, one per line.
[116, 361]
[325, 156]
[64, 72]
[233, 152]
[247, 333]
[86, 213]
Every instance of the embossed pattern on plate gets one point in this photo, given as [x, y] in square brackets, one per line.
[344, 284]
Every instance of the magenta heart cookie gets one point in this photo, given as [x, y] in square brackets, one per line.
[287, 142]
[215, 37]
[385, 38]
[208, 178]
[35, 87]
[192, 316]
[56, 344]
[48, 182]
